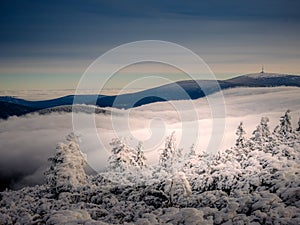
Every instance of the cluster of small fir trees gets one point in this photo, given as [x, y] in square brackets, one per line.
[66, 171]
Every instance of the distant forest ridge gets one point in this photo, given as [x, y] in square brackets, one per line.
[181, 90]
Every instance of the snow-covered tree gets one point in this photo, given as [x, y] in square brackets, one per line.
[285, 127]
[241, 148]
[66, 171]
[257, 134]
[123, 156]
[265, 127]
[167, 157]
[192, 151]
[140, 157]
[241, 140]
[298, 129]
[178, 185]
[262, 138]
[262, 132]
[190, 159]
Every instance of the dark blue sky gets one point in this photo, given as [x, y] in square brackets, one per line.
[45, 42]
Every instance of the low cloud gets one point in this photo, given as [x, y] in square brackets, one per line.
[27, 141]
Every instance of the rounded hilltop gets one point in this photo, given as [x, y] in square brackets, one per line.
[263, 79]
[265, 75]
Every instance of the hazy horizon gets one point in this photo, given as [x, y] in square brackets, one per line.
[109, 89]
[48, 129]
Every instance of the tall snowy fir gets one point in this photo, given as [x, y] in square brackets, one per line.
[167, 157]
[284, 129]
[192, 151]
[122, 157]
[240, 141]
[66, 171]
[264, 123]
[140, 157]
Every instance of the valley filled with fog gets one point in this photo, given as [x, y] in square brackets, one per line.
[152, 169]
[28, 141]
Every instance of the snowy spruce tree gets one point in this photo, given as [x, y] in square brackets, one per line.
[262, 137]
[123, 157]
[241, 148]
[168, 155]
[190, 158]
[257, 134]
[192, 151]
[140, 158]
[265, 129]
[66, 171]
[298, 129]
[262, 131]
[284, 129]
[179, 186]
[241, 140]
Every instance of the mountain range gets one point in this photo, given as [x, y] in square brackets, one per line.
[181, 90]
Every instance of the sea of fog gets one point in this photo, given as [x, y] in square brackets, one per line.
[27, 141]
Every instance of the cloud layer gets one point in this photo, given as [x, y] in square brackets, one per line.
[27, 142]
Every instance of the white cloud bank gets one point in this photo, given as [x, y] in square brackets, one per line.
[27, 142]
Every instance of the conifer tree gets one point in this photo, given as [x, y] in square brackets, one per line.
[66, 171]
[241, 140]
[192, 151]
[285, 126]
[140, 158]
[167, 157]
[123, 156]
[262, 139]
[257, 134]
[265, 130]
[262, 131]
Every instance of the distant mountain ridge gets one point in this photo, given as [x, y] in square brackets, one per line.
[266, 80]
[189, 89]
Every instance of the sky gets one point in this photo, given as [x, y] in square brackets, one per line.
[49, 44]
